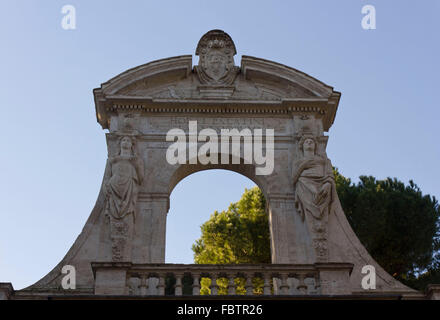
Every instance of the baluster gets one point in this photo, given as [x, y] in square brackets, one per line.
[161, 284]
[196, 284]
[301, 285]
[214, 286]
[178, 285]
[284, 285]
[144, 284]
[249, 286]
[266, 287]
[231, 285]
[317, 283]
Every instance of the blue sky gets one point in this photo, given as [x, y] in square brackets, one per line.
[53, 150]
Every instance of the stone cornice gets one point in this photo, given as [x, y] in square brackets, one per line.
[321, 107]
[285, 107]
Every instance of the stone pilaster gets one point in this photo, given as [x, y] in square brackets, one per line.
[289, 241]
[111, 278]
[334, 278]
[150, 228]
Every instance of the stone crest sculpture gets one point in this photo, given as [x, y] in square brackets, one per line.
[315, 192]
[216, 64]
[124, 176]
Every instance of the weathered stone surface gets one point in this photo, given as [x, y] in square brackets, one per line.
[128, 222]
[6, 290]
[433, 291]
[111, 281]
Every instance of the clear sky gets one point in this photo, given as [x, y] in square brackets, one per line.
[53, 150]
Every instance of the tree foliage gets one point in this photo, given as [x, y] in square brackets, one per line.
[237, 235]
[398, 225]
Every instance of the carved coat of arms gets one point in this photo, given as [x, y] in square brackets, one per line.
[216, 63]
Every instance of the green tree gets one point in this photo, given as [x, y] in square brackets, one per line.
[397, 224]
[237, 235]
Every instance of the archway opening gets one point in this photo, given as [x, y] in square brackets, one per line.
[193, 200]
[216, 198]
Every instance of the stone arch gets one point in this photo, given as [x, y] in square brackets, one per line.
[146, 101]
[266, 183]
[247, 170]
[187, 171]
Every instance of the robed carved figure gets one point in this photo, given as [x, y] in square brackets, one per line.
[315, 193]
[126, 174]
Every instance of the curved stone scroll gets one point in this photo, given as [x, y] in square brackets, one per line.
[318, 205]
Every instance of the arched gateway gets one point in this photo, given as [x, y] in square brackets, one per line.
[121, 250]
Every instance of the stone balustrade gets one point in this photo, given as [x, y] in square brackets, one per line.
[236, 279]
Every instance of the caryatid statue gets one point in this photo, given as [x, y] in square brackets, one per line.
[123, 178]
[315, 192]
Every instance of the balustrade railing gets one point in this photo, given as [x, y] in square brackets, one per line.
[126, 278]
[237, 279]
